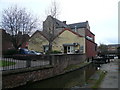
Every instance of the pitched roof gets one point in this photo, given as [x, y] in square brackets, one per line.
[65, 29]
[40, 32]
[61, 27]
[78, 25]
[43, 34]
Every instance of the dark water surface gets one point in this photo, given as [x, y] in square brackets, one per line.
[68, 80]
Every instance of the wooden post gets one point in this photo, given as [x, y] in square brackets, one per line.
[28, 62]
[50, 59]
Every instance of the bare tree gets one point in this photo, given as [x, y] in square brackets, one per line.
[19, 23]
[53, 11]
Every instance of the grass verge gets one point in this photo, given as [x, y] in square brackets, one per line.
[101, 77]
[6, 63]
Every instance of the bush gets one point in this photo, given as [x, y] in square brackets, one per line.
[54, 52]
[11, 52]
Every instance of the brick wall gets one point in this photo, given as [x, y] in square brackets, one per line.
[91, 50]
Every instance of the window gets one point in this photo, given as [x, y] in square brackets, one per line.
[68, 49]
[81, 49]
[46, 48]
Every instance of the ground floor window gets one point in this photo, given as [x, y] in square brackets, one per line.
[69, 49]
[46, 48]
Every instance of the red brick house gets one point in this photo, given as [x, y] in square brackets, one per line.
[6, 41]
[91, 46]
[6, 44]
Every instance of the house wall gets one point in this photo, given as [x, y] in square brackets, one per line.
[81, 31]
[36, 42]
[91, 46]
[90, 34]
[67, 37]
[6, 43]
[48, 24]
[58, 30]
[91, 49]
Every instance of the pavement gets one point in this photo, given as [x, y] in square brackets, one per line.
[111, 78]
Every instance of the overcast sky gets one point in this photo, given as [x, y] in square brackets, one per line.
[102, 15]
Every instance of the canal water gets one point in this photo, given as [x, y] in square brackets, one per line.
[68, 80]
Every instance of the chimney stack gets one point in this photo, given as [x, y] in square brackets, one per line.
[64, 22]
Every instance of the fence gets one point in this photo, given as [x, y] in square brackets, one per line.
[11, 64]
[23, 61]
[15, 78]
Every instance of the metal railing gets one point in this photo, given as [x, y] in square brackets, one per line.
[25, 61]
[11, 64]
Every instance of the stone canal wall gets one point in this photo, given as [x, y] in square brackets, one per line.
[18, 77]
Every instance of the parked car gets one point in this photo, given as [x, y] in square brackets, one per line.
[34, 52]
[25, 54]
[26, 51]
[23, 51]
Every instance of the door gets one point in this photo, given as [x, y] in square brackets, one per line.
[69, 49]
[65, 49]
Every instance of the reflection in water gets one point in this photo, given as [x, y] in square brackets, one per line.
[68, 80]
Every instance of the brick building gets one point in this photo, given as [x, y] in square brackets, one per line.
[6, 41]
[68, 38]
[112, 48]
[83, 29]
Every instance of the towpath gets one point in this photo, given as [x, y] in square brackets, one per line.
[111, 78]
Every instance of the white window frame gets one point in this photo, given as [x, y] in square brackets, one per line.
[70, 49]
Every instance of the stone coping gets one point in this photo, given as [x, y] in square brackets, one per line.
[29, 69]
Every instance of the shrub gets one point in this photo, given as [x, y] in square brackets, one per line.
[54, 52]
[11, 52]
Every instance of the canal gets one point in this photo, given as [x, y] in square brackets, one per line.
[67, 80]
